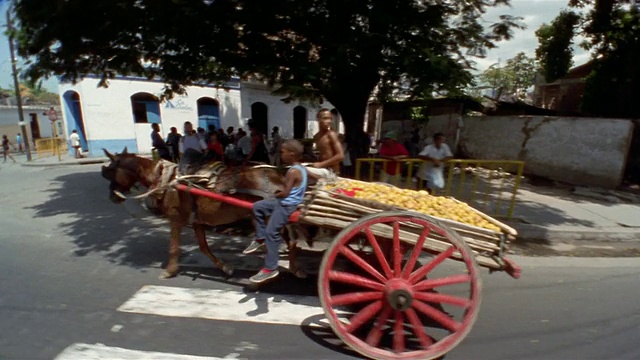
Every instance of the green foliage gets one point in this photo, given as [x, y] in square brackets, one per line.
[554, 52]
[514, 78]
[308, 49]
[614, 83]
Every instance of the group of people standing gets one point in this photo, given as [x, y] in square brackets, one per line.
[434, 155]
[215, 145]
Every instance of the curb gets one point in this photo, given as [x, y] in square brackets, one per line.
[66, 163]
[539, 233]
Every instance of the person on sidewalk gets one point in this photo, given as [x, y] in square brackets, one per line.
[173, 142]
[6, 151]
[192, 148]
[278, 211]
[259, 152]
[276, 143]
[74, 139]
[329, 147]
[19, 142]
[158, 143]
[391, 149]
[435, 156]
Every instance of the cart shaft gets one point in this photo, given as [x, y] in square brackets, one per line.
[228, 199]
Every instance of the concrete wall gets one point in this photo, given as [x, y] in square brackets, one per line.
[448, 124]
[584, 151]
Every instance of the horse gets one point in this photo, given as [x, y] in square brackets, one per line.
[246, 183]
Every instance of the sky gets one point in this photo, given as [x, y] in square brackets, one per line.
[534, 12]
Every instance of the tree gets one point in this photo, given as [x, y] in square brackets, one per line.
[513, 79]
[339, 50]
[612, 30]
[554, 52]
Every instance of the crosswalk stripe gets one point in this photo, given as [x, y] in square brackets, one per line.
[230, 305]
[100, 352]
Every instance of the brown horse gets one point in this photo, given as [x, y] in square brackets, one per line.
[181, 208]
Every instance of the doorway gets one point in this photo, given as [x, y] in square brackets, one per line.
[75, 121]
[299, 122]
[260, 117]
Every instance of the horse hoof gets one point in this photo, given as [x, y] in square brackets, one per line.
[166, 275]
[300, 274]
[227, 269]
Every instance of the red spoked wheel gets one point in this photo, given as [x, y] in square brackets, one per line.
[399, 285]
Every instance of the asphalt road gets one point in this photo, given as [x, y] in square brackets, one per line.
[69, 260]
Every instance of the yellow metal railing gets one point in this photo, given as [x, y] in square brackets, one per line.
[492, 184]
[481, 183]
[50, 147]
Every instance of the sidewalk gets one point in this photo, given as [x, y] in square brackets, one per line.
[551, 216]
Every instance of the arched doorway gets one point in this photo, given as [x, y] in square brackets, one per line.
[260, 117]
[75, 121]
[208, 113]
[145, 108]
[299, 122]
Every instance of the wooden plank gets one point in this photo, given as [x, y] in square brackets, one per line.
[482, 260]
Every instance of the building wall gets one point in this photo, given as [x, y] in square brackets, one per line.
[109, 121]
[108, 116]
[280, 114]
[584, 151]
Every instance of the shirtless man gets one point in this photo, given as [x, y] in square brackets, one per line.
[329, 147]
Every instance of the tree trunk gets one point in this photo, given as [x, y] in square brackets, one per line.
[352, 107]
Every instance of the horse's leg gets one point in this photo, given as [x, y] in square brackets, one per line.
[293, 249]
[174, 252]
[204, 247]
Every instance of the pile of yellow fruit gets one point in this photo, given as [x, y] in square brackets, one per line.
[419, 201]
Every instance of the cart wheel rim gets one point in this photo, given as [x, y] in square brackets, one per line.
[397, 296]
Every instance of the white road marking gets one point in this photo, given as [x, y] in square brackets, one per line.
[99, 352]
[229, 305]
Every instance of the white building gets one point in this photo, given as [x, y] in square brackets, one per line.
[121, 115]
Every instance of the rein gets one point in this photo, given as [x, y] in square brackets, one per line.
[166, 176]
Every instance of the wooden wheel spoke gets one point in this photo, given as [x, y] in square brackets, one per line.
[351, 255]
[348, 278]
[357, 297]
[398, 333]
[418, 328]
[443, 299]
[437, 315]
[424, 270]
[397, 252]
[363, 316]
[415, 253]
[379, 255]
[449, 280]
[373, 338]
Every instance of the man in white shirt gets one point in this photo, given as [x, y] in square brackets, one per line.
[435, 155]
[244, 144]
[192, 147]
[74, 139]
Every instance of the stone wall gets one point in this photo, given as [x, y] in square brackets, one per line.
[583, 151]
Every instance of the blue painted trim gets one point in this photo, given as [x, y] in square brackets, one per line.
[233, 83]
[113, 146]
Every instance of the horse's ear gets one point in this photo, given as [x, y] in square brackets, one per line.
[109, 155]
[125, 150]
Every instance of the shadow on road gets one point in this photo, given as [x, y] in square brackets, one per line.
[96, 225]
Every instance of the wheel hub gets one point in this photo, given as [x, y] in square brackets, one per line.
[399, 294]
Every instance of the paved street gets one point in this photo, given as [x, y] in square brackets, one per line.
[79, 278]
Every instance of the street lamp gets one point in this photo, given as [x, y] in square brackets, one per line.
[16, 84]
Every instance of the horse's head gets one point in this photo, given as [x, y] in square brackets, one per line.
[123, 172]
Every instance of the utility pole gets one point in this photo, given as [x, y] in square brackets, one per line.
[16, 84]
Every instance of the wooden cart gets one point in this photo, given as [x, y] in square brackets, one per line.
[396, 284]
